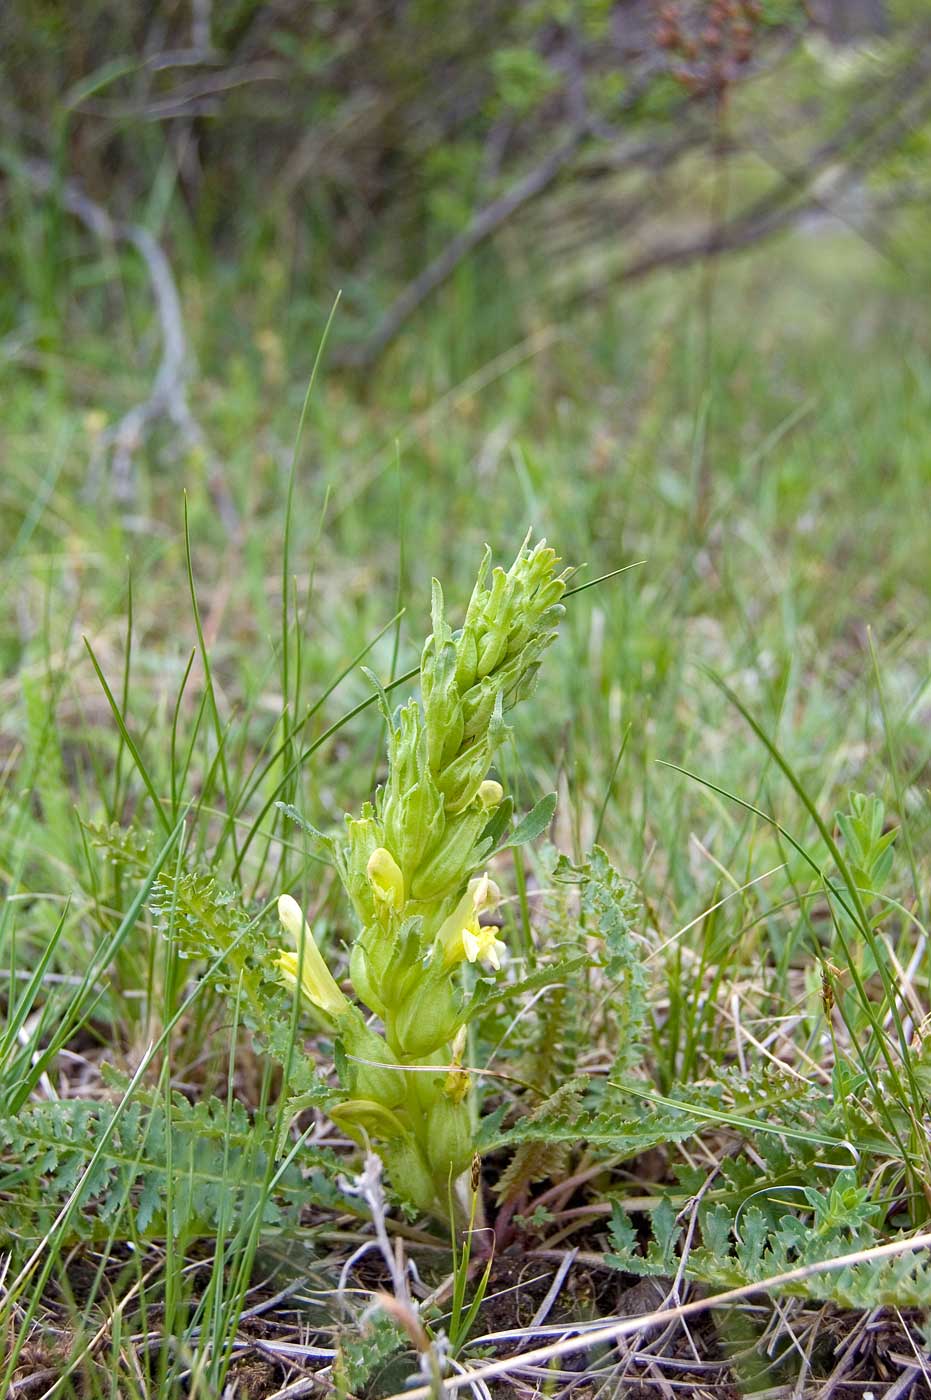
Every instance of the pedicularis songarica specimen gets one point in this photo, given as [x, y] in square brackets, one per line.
[413, 866]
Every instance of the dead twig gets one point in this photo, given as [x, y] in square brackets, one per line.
[481, 227]
[811, 185]
[188, 99]
[861, 141]
[612, 1332]
[168, 398]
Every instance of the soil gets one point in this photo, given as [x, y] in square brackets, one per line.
[719, 1356]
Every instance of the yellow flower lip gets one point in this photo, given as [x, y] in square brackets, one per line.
[317, 983]
[484, 944]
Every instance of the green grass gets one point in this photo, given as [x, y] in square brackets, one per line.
[702, 717]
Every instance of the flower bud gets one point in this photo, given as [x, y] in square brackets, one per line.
[491, 649]
[370, 1080]
[410, 1176]
[466, 659]
[428, 1087]
[456, 1083]
[498, 597]
[428, 1017]
[452, 729]
[364, 1118]
[386, 879]
[415, 823]
[363, 834]
[445, 867]
[406, 752]
[362, 979]
[527, 683]
[478, 706]
[460, 781]
[442, 705]
[490, 794]
[449, 1141]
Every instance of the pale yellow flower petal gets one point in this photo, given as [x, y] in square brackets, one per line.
[292, 917]
[471, 944]
[491, 953]
[317, 982]
[485, 893]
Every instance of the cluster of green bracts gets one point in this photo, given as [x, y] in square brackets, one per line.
[410, 865]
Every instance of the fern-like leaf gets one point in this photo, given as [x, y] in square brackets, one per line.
[611, 913]
[220, 1161]
[540, 1156]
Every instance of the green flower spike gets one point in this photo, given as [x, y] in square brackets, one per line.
[410, 863]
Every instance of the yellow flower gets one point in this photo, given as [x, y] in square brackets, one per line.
[317, 982]
[483, 943]
[462, 938]
[490, 794]
[484, 893]
[386, 879]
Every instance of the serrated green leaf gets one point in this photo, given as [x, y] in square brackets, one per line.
[491, 993]
[295, 816]
[532, 825]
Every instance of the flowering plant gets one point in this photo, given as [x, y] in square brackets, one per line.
[412, 865]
